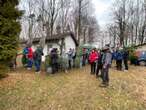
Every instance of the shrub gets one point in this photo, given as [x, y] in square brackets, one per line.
[9, 32]
[3, 70]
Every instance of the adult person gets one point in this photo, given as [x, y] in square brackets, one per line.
[70, 56]
[24, 56]
[125, 58]
[93, 59]
[74, 57]
[106, 61]
[84, 57]
[99, 64]
[113, 56]
[119, 58]
[54, 60]
[30, 57]
[38, 58]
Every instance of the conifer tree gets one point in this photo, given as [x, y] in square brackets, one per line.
[9, 30]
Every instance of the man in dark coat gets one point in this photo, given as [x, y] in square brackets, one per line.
[125, 58]
[99, 65]
[54, 61]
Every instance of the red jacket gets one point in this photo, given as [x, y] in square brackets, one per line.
[30, 53]
[93, 57]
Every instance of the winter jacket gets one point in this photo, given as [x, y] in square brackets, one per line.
[100, 59]
[30, 53]
[38, 54]
[107, 59]
[119, 55]
[125, 54]
[93, 57]
[113, 55]
[54, 57]
[70, 55]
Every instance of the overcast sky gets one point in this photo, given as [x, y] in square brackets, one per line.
[102, 11]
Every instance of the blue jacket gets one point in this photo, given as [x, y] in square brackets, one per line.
[119, 55]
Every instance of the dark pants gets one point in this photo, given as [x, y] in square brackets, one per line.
[54, 68]
[99, 68]
[105, 74]
[74, 60]
[37, 65]
[126, 64]
[69, 63]
[84, 62]
[93, 68]
[119, 64]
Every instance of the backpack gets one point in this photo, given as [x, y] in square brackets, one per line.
[119, 56]
[25, 51]
[34, 55]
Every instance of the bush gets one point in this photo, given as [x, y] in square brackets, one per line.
[47, 62]
[63, 63]
[3, 70]
[133, 59]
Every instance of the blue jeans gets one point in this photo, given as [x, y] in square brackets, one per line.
[37, 65]
[30, 63]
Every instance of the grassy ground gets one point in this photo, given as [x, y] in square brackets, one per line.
[76, 90]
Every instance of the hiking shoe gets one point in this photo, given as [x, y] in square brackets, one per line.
[28, 68]
[37, 72]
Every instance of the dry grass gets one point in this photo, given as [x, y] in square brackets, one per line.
[76, 90]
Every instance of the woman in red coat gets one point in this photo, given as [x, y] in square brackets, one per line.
[93, 57]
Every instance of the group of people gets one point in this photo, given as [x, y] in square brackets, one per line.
[121, 57]
[29, 58]
[102, 60]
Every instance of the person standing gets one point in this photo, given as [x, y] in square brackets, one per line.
[54, 61]
[74, 57]
[99, 65]
[84, 57]
[119, 58]
[38, 58]
[24, 56]
[30, 57]
[70, 56]
[92, 59]
[125, 58]
[106, 61]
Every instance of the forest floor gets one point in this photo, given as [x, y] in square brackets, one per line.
[75, 90]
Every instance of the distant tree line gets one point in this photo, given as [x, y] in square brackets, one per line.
[129, 22]
[43, 17]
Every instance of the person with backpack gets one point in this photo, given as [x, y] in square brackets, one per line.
[119, 59]
[125, 58]
[30, 57]
[93, 59]
[24, 56]
[37, 57]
